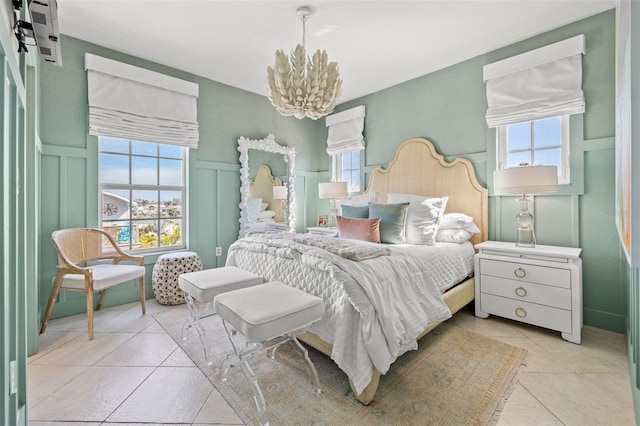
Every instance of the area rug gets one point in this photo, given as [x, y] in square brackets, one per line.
[456, 377]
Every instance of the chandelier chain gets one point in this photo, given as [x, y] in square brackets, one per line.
[304, 31]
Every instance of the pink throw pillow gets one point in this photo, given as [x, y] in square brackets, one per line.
[359, 229]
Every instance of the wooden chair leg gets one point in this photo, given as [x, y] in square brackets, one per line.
[103, 293]
[143, 296]
[89, 295]
[52, 300]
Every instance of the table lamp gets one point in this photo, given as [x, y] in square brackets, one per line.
[333, 190]
[526, 180]
[281, 193]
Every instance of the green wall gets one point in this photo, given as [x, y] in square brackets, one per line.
[70, 159]
[19, 197]
[448, 108]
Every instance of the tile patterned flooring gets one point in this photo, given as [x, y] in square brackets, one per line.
[133, 372]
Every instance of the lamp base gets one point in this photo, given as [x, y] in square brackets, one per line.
[526, 236]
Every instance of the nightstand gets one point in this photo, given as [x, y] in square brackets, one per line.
[327, 232]
[540, 285]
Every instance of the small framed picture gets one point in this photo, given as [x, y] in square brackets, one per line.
[322, 221]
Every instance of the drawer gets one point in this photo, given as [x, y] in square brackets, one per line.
[530, 313]
[523, 272]
[557, 297]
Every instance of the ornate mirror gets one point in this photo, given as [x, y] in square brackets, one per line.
[268, 145]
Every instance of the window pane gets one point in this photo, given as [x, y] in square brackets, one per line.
[121, 233]
[346, 161]
[171, 151]
[548, 157]
[171, 172]
[114, 168]
[144, 171]
[144, 148]
[114, 144]
[518, 158]
[146, 204]
[170, 232]
[147, 233]
[355, 182]
[355, 160]
[547, 132]
[519, 136]
[170, 204]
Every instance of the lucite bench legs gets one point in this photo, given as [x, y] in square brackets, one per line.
[244, 354]
[197, 313]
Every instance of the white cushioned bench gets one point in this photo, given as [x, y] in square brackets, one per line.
[204, 286]
[268, 315]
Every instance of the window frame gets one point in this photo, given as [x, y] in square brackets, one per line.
[564, 172]
[337, 168]
[102, 187]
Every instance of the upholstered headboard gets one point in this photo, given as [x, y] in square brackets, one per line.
[418, 169]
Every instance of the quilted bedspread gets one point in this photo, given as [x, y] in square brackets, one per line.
[375, 308]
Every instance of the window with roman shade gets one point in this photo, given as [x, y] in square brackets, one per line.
[542, 83]
[345, 131]
[133, 103]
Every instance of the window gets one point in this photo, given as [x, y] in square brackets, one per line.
[538, 142]
[142, 194]
[347, 168]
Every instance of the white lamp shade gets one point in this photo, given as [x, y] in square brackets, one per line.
[526, 180]
[333, 190]
[279, 192]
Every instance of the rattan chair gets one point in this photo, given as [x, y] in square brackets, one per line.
[89, 260]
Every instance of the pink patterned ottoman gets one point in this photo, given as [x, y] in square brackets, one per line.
[165, 275]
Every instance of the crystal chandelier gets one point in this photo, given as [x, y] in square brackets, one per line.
[306, 86]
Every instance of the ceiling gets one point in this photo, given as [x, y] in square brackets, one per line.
[377, 44]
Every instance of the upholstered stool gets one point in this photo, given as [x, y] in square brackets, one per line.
[267, 315]
[166, 271]
[202, 287]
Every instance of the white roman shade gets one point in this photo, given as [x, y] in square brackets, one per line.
[134, 103]
[542, 83]
[345, 131]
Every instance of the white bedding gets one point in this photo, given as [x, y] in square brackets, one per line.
[375, 308]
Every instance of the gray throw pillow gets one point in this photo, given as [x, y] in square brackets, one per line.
[392, 221]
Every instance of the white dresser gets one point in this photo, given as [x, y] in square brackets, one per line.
[540, 285]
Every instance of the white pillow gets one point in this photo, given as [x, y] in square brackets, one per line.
[267, 214]
[253, 208]
[263, 206]
[423, 216]
[453, 236]
[459, 221]
[357, 200]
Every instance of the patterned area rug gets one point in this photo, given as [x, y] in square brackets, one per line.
[455, 378]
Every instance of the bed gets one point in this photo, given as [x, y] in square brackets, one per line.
[355, 331]
[261, 194]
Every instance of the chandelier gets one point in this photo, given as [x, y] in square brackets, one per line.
[306, 86]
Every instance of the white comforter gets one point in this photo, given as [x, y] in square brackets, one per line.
[375, 308]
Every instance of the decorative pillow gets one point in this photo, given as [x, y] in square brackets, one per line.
[267, 214]
[453, 236]
[359, 229]
[263, 206]
[253, 208]
[392, 221]
[357, 200]
[424, 215]
[357, 212]
[459, 221]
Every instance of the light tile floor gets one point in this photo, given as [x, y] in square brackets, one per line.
[133, 372]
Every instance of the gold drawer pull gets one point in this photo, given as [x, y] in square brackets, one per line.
[519, 272]
[521, 291]
[521, 313]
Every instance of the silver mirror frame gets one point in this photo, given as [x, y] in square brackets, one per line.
[267, 144]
